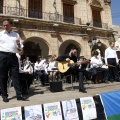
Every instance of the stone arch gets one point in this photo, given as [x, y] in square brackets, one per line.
[101, 49]
[96, 3]
[67, 45]
[35, 46]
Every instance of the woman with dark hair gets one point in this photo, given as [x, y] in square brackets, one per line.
[96, 65]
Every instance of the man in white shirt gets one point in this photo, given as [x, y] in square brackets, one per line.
[96, 65]
[40, 70]
[112, 60]
[10, 43]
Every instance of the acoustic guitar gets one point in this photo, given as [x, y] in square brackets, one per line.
[63, 66]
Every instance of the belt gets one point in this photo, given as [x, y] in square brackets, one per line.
[7, 53]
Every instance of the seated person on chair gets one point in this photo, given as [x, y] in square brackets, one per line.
[52, 68]
[25, 73]
[96, 65]
[72, 69]
[39, 70]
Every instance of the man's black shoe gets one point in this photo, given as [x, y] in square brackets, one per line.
[21, 98]
[5, 99]
[82, 90]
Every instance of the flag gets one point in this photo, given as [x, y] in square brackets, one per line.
[111, 103]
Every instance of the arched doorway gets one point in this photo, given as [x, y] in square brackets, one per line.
[34, 47]
[67, 46]
[101, 49]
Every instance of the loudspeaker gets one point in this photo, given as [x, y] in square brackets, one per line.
[56, 86]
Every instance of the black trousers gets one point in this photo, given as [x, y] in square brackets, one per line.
[42, 75]
[113, 71]
[25, 81]
[77, 72]
[105, 73]
[9, 62]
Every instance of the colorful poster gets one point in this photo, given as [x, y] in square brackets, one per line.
[33, 112]
[88, 108]
[52, 111]
[70, 110]
[11, 114]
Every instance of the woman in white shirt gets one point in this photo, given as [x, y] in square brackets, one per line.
[52, 68]
[96, 65]
[39, 70]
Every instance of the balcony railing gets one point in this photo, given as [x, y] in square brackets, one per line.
[100, 24]
[29, 13]
[7, 10]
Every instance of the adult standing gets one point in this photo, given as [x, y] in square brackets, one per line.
[10, 43]
[112, 60]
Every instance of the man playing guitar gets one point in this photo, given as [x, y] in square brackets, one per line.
[73, 70]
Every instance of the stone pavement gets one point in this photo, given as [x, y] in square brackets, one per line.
[41, 95]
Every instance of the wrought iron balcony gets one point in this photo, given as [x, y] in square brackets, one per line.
[29, 13]
[15, 11]
[99, 24]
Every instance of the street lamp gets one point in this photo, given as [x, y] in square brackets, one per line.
[94, 44]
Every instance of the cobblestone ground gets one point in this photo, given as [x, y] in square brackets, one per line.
[41, 95]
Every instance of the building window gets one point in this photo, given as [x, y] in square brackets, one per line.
[68, 13]
[1, 6]
[96, 14]
[35, 8]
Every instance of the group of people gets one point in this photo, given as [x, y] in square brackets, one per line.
[108, 65]
[11, 49]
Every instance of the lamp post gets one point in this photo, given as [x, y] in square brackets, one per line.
[94, 44]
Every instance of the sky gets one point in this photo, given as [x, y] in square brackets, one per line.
[115, 9]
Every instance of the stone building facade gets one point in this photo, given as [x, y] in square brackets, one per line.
[53, 27]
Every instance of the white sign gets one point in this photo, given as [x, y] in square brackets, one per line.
[88, 108]
[33, 112]
[52, 111]
[70, 110]
[11, 114]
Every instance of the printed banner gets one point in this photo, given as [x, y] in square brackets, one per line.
[11, 114]
[70, 110]
[88, 108]
[33, 112]
[111, 103]
[52, 111]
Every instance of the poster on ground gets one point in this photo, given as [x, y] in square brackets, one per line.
[11, 114]
[70, 110]
[88, 108]
[52, 111]
[33, 112]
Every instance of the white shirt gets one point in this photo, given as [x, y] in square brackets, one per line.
[96, 62]
[38, 65]
[110, 53]
[52, 65]
[8, 41]
[20, 68]
[28, 68]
